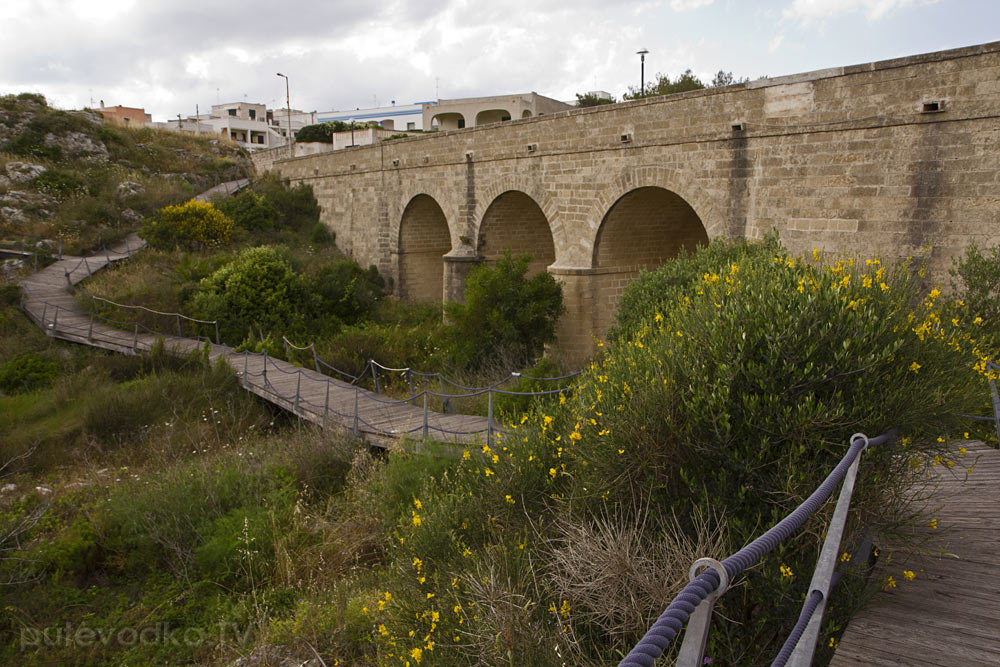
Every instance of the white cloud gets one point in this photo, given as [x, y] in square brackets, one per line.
[685, 5]
[806, 11]
[774, 43]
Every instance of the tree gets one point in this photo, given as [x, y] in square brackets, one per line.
[592, 100]
[506, 317]
[664, 85]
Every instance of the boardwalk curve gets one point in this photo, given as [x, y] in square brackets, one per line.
[316, 398]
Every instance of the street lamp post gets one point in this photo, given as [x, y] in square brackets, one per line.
[288, 130]
[642, 72]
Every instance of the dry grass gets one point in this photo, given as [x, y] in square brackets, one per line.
[620, 571]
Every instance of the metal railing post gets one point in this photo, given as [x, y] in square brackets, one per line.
[425, 415]
[326, 405]
[489, 417]
[69, 283]
[59, 249]
[371, 363]
[409, 379]
[45, 310]
[315, 358]
[692, 651]
[246, 357]
[996, 408]
[90, 329]
[87, 264]
[55, 321]
[179, 335]
[217, 332]
[298, 386]
[822, 579]
[355, 430]
[135, 338]
[265, 368]
[284, 341]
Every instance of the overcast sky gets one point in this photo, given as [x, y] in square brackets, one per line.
[168, 56]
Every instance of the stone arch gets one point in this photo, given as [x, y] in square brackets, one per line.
[448, 121]
[514, 221]
[642, 229]
[526, 113]
[532, 189]
[487, 116]
[423, 239]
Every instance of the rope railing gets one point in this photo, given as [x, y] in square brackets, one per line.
[710, 578]
[178, 317]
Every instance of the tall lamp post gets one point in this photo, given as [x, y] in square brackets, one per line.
[642, 72]
[288, 130]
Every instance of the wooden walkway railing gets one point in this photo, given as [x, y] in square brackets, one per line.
[311, 396]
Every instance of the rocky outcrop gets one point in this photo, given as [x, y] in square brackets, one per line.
[77, 144]
[128, 189]
[23, 172]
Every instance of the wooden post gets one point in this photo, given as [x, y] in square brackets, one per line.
[355, 430]
[90, 330]
[326, 405]
[59, 241]
[217, 332]
[135, 338]
[45, 310]
[55, 321]
[425, 415]
[489, 417]
[409, 379]
[316, 359]
[179, 325]
[996, 408]
[69, 283]
[298, 386]
[265, 368]
[371, 363]
[246, 356]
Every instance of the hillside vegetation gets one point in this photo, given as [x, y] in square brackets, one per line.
[67, 176]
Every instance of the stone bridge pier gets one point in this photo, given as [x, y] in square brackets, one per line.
[894, 158]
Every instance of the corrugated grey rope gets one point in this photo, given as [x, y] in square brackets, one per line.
[668, 625]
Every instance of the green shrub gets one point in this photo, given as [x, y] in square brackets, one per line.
[321, 235]
[195, 224]
[260, 289]
[27, 372]
[251, 211]
[319, 133]
[652, 290]
[346, 291]
[505, 316]
[976, 286]
[297, 206]
[60, 183]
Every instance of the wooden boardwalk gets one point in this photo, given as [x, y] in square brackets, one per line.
[949, 614]
[314, 397]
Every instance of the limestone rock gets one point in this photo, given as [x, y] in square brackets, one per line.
[77, 144]
[128, 189]
[131, 216]
[24, 172]
[11, 214]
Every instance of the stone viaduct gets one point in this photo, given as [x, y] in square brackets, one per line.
[894, 157]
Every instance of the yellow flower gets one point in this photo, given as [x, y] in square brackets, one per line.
[915, 367]
[509, 499]
[933, 524]
[417, 654]
[552, 472]
[786, 572]
[909, 575]
[417, 504]
[845, 557]
[488, 472]
[466, 455]
[889, 583]
[565, 608]
[417, 522]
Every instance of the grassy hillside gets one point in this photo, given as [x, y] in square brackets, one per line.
[99, 180]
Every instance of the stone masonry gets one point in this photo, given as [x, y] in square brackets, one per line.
[892, 158]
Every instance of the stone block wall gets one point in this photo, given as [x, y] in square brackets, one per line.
[899, 157]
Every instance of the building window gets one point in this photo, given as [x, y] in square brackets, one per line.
[411, 126]
[253, 114]
[461, 123]
[232, 112]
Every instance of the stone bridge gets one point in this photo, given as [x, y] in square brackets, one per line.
[894, 157]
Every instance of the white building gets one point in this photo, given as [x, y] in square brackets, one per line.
[393, 117]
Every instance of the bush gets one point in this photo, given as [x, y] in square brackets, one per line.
[319, 133]
[259, 289]
[297, 207]
[346, 291]
[251, 211]
[652, 290]
[505, 316]
[60, 183]
[195, 224]
[27, 372]
[976, 284]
